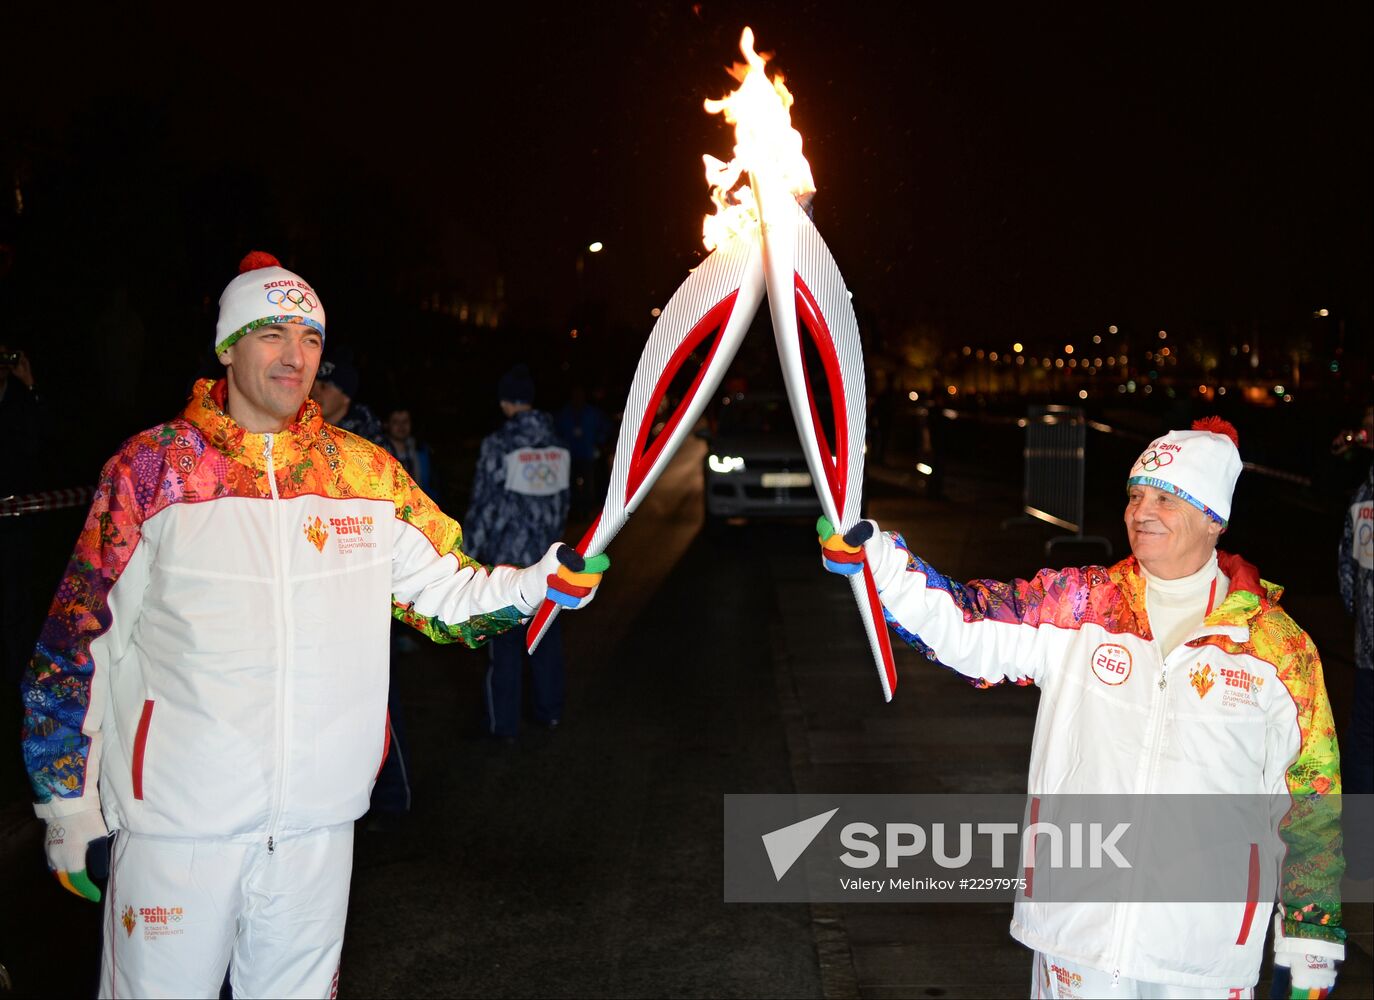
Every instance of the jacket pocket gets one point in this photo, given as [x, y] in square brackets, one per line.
[140, 744]
[1251, 896]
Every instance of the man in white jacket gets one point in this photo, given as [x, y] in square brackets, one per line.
[1173, 671]
[211, 682]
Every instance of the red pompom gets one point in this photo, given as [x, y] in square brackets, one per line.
[257, 259]
[1218, 426]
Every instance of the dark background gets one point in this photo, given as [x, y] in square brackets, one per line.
[985, 174]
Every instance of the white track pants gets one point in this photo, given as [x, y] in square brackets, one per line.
[179, 912]
[1059, 978]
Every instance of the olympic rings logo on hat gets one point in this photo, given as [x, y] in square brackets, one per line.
[1153, 461]
[289, 299]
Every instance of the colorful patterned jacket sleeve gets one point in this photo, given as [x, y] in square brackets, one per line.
[87, 629]
[987, 630]
[1310, 886]
[438, 588]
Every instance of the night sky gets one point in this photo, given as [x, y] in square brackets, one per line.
[991, 172]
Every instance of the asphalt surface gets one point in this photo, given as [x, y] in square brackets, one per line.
[588, 861]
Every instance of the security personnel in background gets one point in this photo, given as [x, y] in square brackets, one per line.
[519, 505]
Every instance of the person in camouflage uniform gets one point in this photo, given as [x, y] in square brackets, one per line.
[519, 504]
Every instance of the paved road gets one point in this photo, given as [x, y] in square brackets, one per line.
[588, 862]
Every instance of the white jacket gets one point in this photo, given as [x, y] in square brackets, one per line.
[1238, 709]
[217, 654]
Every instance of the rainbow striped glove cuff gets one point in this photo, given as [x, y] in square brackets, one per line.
[843, 554]
[574, 583]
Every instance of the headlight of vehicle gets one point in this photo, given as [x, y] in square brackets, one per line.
[726, 463]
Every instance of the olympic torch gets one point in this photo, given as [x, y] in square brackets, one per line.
[763, 242]
[710, 312]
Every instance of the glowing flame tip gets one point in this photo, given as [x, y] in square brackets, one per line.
[765, 144]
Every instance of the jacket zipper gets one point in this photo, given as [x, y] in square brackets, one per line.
[282, 648]
[1158, 712]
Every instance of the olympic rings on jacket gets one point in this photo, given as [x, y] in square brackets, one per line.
[292, 298]
[540, 472]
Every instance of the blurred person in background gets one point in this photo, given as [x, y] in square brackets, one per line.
[393, 794]
[585, 429]
[335, 388]
[1356, 570]
[520, 504]
[414, 456]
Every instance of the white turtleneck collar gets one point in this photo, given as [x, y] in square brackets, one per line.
[1175, 608]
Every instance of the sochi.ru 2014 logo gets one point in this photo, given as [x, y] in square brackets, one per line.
[158, 921]
[1202, 679]
[129, 920]
[316, 533]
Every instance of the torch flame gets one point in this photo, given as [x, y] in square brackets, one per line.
[765, 144]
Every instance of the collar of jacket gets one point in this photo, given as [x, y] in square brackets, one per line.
[1248, 597]
[206, 412]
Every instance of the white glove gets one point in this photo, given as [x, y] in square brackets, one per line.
[68, 838]
[1312, 975]
[562, 576]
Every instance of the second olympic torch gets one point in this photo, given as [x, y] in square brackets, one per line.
[763, 242]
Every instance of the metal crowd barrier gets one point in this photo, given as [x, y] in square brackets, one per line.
[1056, 446]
